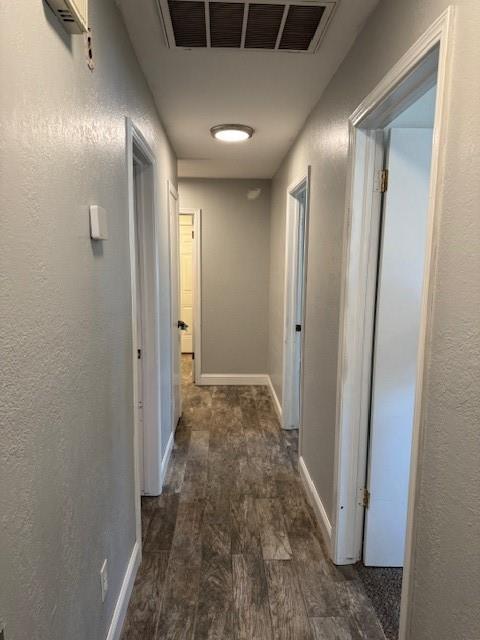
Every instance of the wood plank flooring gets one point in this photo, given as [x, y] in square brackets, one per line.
[231, 550]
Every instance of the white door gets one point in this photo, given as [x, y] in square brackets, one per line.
[299, 307]
[139, 304]
[294, 304]
[399, 291]
[175, 306]
[186, 280]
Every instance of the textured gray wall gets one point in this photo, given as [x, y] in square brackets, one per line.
[66, 440]
[446, 584]
[235, 259]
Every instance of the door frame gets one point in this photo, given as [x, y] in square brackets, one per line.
[138, 150]
[291, 355]
[197, 289]
[428, 61]
[174, 316]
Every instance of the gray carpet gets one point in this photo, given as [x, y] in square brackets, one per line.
[384, 588]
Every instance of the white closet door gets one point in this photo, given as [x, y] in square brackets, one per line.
[400, 280]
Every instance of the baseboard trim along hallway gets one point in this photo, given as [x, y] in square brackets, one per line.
[121, 607]
[227, 379]
[276, 402]
[316, 503]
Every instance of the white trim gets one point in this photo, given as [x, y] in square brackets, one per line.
[276, 402]
[120, 611]
[197, 292]
[402, 84]
[444, 29]
[316, 502]
[134, 138]
[292, 354]
[166, 458]
[220, 379]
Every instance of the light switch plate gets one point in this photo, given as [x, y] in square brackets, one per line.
[98, 223]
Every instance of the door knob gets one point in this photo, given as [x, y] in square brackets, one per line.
[183, 326]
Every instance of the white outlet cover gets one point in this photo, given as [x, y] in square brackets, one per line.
[98, 223]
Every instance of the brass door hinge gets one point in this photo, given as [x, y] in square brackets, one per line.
[193, 235]
[383, 180]
[366, 498]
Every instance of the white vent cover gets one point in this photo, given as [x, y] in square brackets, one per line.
[73, 14]
[260, 25]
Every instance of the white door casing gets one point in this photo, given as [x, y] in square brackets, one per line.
[397, 327]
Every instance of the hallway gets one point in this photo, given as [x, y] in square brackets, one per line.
[231, 548]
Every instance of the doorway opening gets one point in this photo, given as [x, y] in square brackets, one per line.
[144, 272]
[396, 136]
[295, 284]
[190, 289]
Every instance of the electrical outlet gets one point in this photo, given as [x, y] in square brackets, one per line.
[103, 580]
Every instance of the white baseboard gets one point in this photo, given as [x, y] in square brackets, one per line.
[276, 402]
[166, 460]
[121, 607]
[316, 503]
[232, 379]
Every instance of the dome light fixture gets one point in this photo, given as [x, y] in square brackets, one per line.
[232, 132]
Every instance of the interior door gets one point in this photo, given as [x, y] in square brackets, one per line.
[299, 305]
[186, 280]
[175, 306]
[399, 292]
[139, 324]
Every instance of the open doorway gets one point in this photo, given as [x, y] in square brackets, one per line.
[190, 292]
[396, 136]
[295, 284]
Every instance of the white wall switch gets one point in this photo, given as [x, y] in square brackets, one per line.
[104, 579]
[98, 223]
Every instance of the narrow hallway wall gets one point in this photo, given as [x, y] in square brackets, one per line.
[235, 259]
[66, 416]
[447, 526]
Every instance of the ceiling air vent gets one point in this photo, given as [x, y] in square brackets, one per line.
[266, 25]
[73, 14]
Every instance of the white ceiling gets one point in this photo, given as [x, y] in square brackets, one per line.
[271, 91]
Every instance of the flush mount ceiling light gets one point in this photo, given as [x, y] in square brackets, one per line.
[231, 132]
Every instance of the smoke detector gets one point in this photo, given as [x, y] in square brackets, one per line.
[263, 25]
[73, 14]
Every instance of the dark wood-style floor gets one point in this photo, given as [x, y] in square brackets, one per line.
[231, 549]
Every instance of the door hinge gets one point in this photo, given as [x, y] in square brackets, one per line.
[383, 180]
[193, 356]
[139, 354]
[366, 498]
[193, 235]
